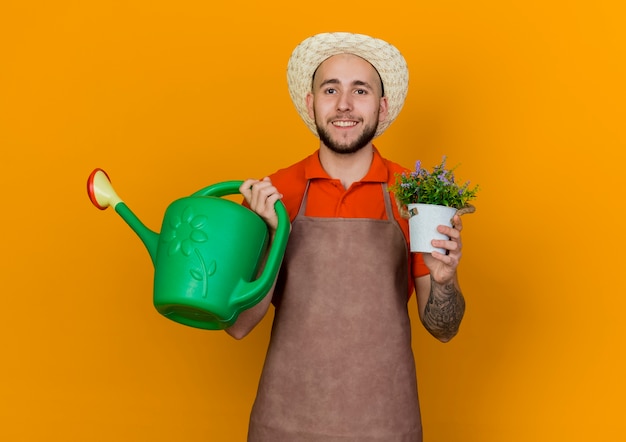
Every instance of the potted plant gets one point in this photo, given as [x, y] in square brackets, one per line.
[428, 199]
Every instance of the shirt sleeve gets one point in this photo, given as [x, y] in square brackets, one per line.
[418, 267]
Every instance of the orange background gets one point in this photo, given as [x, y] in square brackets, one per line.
[169, 97]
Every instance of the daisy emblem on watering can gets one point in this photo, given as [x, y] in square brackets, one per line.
[208, 255]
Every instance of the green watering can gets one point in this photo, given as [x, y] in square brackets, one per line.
[208, 255]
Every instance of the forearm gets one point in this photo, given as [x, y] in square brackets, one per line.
[248, 319]
[444, 310]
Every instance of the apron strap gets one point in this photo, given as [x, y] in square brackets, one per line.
[387, 199]
[302, 208]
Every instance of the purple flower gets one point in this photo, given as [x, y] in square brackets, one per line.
[418, 167]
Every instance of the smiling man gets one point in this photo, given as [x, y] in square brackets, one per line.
[340, 365]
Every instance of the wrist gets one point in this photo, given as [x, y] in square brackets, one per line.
[445, 282]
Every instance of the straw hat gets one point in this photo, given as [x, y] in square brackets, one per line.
[387, 60]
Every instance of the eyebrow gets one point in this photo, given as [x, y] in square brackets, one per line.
[354, 83]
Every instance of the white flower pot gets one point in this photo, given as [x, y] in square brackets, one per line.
[423, 226]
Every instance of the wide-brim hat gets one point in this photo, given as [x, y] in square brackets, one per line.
[385, 58]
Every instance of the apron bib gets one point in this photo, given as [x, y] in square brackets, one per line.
[340, 366]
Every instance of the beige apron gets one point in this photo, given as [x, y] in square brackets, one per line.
[340, 366]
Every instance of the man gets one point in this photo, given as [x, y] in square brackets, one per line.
[340, 365]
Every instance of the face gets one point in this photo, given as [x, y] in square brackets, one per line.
[346, 103]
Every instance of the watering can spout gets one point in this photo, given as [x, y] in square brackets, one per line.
[102, 195]
[149, 238]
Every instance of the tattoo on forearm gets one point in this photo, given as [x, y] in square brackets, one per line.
[444, 310]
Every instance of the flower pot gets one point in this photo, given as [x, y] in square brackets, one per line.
[423, 224]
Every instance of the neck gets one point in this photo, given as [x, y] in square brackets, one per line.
[346, 168]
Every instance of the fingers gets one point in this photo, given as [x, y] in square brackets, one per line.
[246, 189]
[261, 196]
[258, 190]
[263, 193]
[453, 245]
[457, 223]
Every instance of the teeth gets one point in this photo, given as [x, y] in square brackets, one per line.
[344, 123]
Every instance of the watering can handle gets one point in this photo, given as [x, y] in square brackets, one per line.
[220, 189]
[264, 282]
[232, 187]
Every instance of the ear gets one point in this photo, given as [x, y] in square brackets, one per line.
[383, 109]
[309, 105]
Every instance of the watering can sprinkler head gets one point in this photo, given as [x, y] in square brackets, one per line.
[101, 191]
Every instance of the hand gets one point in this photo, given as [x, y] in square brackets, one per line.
[261, 195]
[443, 266]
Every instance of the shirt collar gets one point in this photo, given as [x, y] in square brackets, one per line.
[378, 172]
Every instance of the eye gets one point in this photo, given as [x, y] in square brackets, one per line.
[330, 90]
[361, 92]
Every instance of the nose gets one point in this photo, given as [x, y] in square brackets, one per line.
[344, 102]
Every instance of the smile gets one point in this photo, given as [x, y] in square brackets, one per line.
[344, 123]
